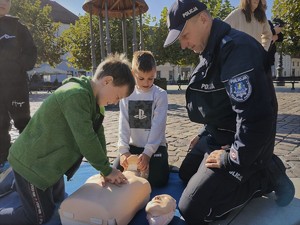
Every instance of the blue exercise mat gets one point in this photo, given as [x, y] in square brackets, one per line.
[174, 188]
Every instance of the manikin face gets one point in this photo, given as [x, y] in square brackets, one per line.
[254, 4]
[4, 7]
[144, 80]
[107, 93]
[195, 33]
[160, 205]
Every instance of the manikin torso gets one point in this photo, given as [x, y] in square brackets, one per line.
[113, 205]
[108, 205]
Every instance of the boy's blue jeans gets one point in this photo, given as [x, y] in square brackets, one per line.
[37, 206]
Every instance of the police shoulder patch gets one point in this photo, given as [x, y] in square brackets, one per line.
[240, 88]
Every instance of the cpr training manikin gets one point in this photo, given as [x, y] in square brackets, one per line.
[116, 205]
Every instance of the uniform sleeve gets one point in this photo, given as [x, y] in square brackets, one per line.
[158, 124]
[253, 102]
[28, 55]
[78, 115]
[124, 128]
[266, 37]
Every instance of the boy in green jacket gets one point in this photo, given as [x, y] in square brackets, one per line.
[67, 127]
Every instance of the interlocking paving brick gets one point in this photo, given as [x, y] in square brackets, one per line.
[180, 130]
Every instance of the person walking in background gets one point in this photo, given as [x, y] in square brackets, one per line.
[251, 18]
[142, 123]
[231, 93]
[277, 36]
[276, 28]
[18, 54]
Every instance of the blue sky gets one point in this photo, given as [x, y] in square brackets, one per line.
[155, 6]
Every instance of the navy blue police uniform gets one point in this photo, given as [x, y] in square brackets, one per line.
[232, 94]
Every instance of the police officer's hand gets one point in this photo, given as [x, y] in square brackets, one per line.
[214, 159]
[194, 142]
[123, 160]
[116, 177]
[143, 163]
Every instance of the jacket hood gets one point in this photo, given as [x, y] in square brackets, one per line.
[83, 80]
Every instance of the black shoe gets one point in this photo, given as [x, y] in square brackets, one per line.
[280, 182]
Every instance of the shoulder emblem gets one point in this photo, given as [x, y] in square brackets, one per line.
[240, 88]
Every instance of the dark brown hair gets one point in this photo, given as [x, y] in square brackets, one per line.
[259, 12]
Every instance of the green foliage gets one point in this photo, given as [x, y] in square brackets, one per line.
[218, 9]
[77, 42]
[76, 39]
[289, 12]
[44, 31]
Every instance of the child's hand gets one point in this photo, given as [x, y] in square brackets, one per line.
[123, 160]
[143, 163]
[102, 180]
[116, 177]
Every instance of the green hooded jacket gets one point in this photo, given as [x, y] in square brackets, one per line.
[59, 133]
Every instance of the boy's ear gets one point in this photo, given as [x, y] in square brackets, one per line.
[132, 72]
[107, 80]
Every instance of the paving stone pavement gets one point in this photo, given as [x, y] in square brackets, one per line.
[180, 130]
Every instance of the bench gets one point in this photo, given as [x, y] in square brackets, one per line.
[284, 81]
[182, 82]
[41, 87]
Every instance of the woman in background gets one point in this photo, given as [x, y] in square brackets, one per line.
[250, 17]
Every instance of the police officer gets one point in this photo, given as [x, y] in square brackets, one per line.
[231, 93]
[17, 55]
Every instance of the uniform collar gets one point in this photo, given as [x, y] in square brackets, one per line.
[218, 30]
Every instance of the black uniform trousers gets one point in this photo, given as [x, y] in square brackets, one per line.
[211, 193]
[14, 104]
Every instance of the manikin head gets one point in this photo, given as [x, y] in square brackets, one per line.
[161, 209]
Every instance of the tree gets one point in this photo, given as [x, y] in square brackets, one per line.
[77, 42]
[77, 38]
[218, 9]
[44, 31]
[289, 12]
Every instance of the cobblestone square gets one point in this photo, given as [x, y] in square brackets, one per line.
[180, 130]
